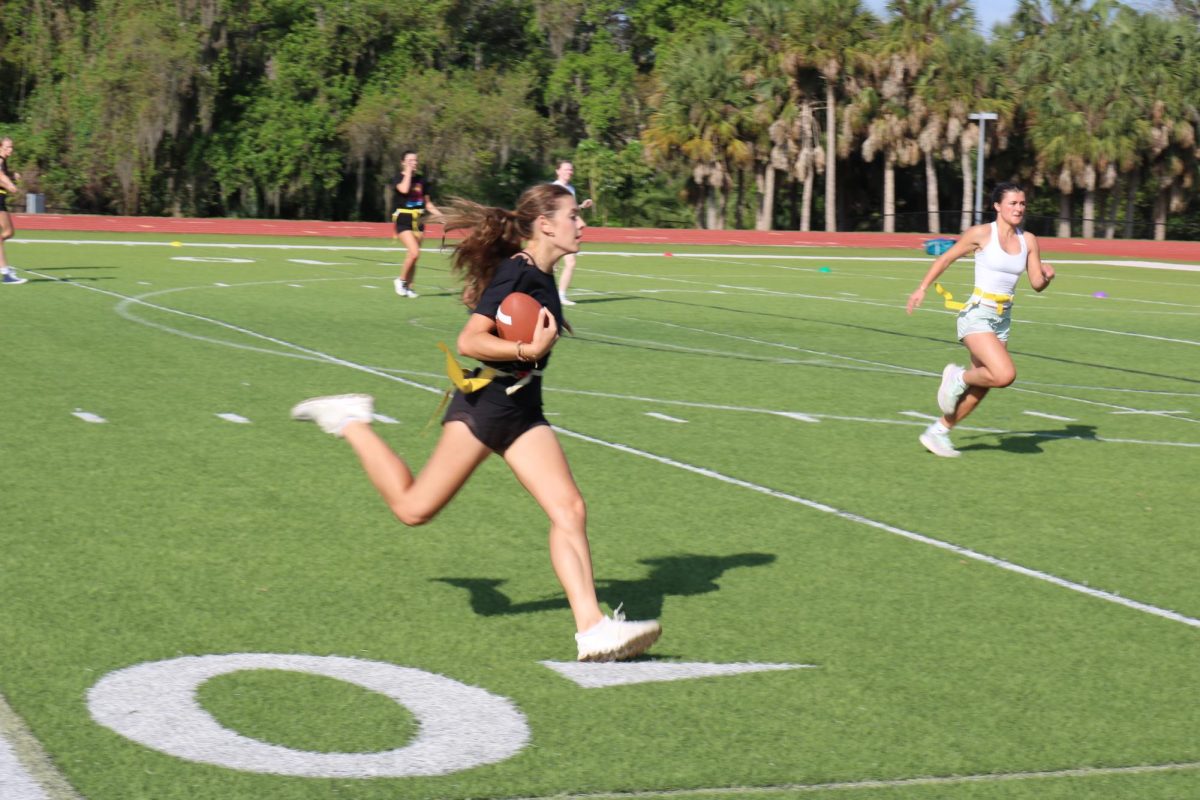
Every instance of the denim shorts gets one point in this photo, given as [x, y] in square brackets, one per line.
[979, 318]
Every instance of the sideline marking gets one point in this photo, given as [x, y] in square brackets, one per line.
[883, 526]
[792, 788]
[1054, 416]
[88, 416]
[231, 417]
[597, 676]
[15, 782]
[26, 771]
[919, 415]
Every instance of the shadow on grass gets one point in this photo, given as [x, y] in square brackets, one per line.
[670, 576]
[1028, 442]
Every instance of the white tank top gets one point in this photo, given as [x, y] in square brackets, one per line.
[996, 271]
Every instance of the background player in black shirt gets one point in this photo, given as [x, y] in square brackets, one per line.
[8, 188]
[412, 201]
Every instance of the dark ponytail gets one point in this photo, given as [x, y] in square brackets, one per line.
[494, 234]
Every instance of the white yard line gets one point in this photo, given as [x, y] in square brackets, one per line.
[841, 786]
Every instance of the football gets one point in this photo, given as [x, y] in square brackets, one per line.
[517, 317]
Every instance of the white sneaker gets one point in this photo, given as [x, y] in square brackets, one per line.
[332, 413]
[402, 289]
[562, 298]
[615, 639]
[951, 388]
[410, 293]
[938, 443]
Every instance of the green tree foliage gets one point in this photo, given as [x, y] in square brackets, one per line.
[706, 112]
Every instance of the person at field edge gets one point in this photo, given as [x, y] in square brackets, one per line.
[8, 188]
[412, 201]
[503, 415]
[1002, 252]
[562, 177]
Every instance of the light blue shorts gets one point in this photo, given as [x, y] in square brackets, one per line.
[981, 319]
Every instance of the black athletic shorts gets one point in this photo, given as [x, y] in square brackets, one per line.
[3, 202]
[409, 219]
[495, 418]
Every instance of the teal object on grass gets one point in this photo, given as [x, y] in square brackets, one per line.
[935, 247]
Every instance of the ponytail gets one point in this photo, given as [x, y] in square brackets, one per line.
[494, 234]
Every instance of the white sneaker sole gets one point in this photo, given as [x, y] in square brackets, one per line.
[947, 400]
[628, 649]
[932, 446]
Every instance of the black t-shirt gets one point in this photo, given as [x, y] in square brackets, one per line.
[418, 190]
[516, 274]
[7, 174]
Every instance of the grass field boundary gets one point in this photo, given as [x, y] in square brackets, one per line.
[1114, 262]
[26, 771]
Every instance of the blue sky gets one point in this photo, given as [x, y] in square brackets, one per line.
[988, 12]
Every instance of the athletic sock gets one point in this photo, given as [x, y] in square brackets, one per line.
[939, 427]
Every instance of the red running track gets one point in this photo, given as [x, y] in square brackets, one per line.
[1113, 248]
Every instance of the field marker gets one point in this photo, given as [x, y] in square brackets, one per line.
[385, 419]
[230, 417]
[1050, 416]
[664, 417]
[296, 285]
[919, 415]
[318, 263]
[595, 676]
[88, 416]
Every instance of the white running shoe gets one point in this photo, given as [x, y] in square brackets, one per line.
[562, 298]
[951, 388]
[615, 639]
[332, 413]
[402, 289]
[938, 443]
[11, 278]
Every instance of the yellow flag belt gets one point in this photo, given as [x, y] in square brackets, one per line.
[1002, 301]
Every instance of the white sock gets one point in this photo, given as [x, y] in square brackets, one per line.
[939, 428]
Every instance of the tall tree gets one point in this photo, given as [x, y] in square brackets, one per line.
[699, 113]
[830, 36]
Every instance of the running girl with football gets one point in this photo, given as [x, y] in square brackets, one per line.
[1003, 250]
[504, 416]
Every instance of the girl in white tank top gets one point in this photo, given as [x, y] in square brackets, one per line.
[984, 319]
[997, 272]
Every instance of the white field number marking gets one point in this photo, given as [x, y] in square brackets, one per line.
[461, 726]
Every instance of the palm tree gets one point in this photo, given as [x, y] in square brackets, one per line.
[829, 37]
[920, 33]
[1075, 102]
[1162, 53]
[762, 40]
[700, 108]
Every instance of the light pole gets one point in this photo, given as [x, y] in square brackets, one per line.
[983, 117]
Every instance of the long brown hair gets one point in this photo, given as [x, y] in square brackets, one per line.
[495, 234]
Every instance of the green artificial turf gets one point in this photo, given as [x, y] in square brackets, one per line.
[743, 431]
